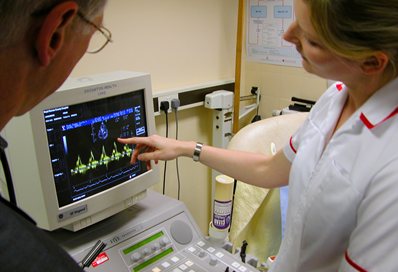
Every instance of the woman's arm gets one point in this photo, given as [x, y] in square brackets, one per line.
[252, 168]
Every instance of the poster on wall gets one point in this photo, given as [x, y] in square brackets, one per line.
[267, 21]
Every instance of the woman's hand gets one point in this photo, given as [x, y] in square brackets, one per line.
[157, 148]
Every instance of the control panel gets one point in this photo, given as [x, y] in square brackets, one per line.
[158, 234]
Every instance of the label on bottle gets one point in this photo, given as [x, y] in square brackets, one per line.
[222, 214]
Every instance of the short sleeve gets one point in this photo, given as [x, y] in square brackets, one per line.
[292, 146]
[328, 98]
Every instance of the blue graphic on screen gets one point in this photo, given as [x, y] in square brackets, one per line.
[85, 154]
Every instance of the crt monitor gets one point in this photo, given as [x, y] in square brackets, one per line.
[68, 169]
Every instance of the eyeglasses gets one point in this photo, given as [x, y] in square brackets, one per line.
[100, 38]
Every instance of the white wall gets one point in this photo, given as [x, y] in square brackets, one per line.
[279, 83]
[180, 42]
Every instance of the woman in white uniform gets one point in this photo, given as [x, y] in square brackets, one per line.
[342, 164]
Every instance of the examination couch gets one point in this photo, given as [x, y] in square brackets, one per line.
[257, 211]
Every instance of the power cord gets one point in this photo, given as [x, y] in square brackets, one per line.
[243, 251]
[7, 172]
[175, 104]
[164, 106]
[255, 91]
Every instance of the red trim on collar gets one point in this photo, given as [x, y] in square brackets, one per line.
[339, 86]
[369, 125]
[353, 264]
[291, 145]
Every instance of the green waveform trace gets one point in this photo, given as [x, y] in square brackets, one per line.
[104, 159]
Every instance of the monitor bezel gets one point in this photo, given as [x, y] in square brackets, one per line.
[110, 201]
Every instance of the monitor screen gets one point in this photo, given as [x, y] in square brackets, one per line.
[69, 171]
[85, 157]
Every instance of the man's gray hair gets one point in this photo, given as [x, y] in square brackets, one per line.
[17, 15]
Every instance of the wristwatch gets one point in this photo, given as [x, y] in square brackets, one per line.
[197, 151]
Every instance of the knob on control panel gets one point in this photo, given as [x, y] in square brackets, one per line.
[155, 246]
[146, 251]
[135, 256]
[164, 241]
[213, 260]
[202, 253]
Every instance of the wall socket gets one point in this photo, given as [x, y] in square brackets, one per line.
[167, 98]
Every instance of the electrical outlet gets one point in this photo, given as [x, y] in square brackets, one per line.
[167, 98]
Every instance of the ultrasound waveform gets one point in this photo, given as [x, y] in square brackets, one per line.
[103, 182]
[104, 159]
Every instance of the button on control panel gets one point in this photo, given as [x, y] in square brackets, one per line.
[159, 235]
[157, 252]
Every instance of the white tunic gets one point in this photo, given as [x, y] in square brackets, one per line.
[343, 189]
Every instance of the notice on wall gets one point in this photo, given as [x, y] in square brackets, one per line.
[267, 22]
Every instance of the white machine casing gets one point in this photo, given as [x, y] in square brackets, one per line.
[30, 161]
[157, 234]
[219, 100]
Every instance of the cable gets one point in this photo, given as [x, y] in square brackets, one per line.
[233, 201]
[255, 91]
[243, 251]
[164, 106]
[7, 172]
[175, 103]
[12, 202]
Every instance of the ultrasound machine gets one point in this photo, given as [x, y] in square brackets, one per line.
[74, 178]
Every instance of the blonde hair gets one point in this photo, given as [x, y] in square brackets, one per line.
[355, 29]
[17, 15]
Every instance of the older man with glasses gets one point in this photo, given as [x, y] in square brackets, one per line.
[40, 44]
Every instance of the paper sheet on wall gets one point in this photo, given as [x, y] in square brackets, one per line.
[267, 21]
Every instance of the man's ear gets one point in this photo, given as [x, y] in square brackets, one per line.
[53, 29]
[375, 64]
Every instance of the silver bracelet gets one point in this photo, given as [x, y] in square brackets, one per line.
[197, 151]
